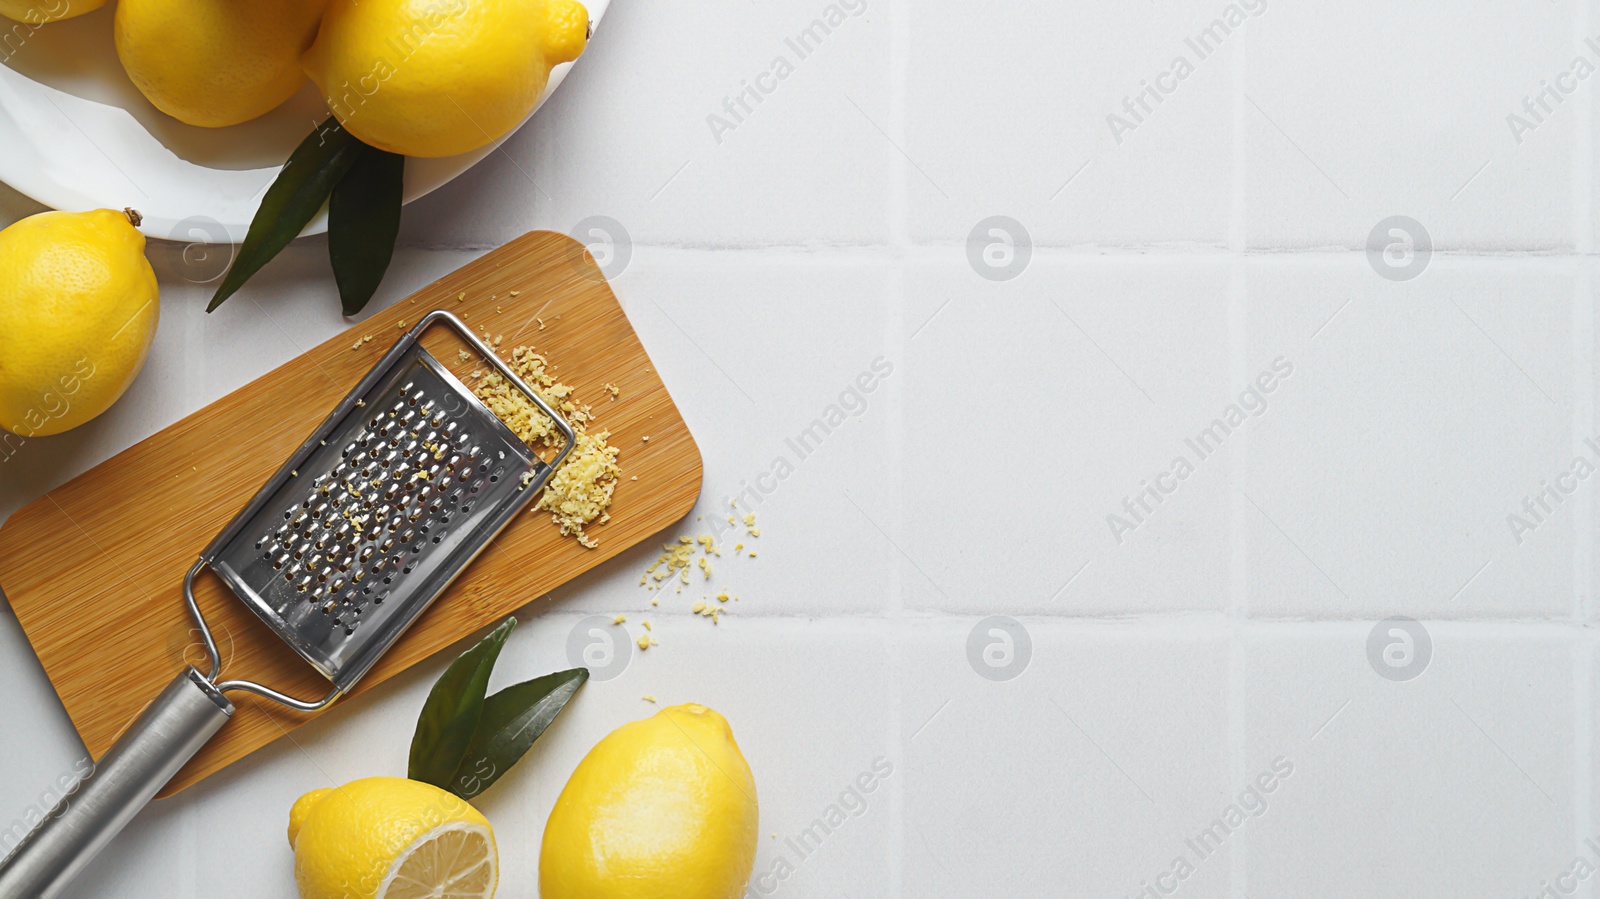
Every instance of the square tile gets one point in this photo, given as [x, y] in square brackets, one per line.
[789, 383]
[1357, 111]
[1060, 765]
[762, 130]
[1457, 782]
[1420, 419]
[1088, 124]
[1040, 411]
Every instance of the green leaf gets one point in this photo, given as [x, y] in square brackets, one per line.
[293, 199]
[450, 715]
[512, 720]
[363, 222]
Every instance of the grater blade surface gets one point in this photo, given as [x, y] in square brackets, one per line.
[384, 506]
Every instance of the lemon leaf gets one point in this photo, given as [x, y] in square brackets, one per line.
[512, 720]
[450, 715]
[293, 199]
[363, 222]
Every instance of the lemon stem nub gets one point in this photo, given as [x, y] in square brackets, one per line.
[134, 218]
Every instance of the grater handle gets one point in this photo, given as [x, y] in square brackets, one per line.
[165, 735]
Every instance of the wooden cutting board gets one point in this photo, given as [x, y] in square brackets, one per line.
[94, 569]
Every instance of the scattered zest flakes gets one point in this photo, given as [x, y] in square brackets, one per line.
[613, 389]
[513, 293]
[646, 438]
[463, 355]
[540, 321]
[461, 298]
[650, 698]
[619, 619]
[678, 558]
[402, 325]
[646, 625]
[645, 642]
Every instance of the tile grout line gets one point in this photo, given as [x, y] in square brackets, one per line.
[1583, 749]
[899, 207]
[899, 215]
[1238, 365]
[1582, 564]
[894, 628]
[1583, 150]
[1583, 424]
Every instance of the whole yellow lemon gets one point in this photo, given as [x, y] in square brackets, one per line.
[663, 808]
[440, 77]
[78, 309]
[215, 62]
[38, 12]
[391, 838]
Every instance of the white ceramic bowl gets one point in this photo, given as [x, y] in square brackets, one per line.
[78, 135]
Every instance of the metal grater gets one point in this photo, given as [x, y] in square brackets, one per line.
[395, 493]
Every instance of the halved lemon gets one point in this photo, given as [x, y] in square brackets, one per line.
[391, 838]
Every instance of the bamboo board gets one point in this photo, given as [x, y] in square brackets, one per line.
[94, 570]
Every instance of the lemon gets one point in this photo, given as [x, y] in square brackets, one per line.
[38, 12]
[663, 808]
[215, 62]
[78, 309]
[440, 77]
[391, 838]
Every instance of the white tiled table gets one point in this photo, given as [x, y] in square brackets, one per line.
[1223, 639]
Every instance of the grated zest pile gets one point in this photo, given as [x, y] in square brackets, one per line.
[579, 493]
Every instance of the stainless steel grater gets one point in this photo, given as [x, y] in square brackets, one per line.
[360, 531]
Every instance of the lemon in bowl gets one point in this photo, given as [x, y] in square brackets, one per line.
[214, 64]
[435, 78]
[391, 838]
